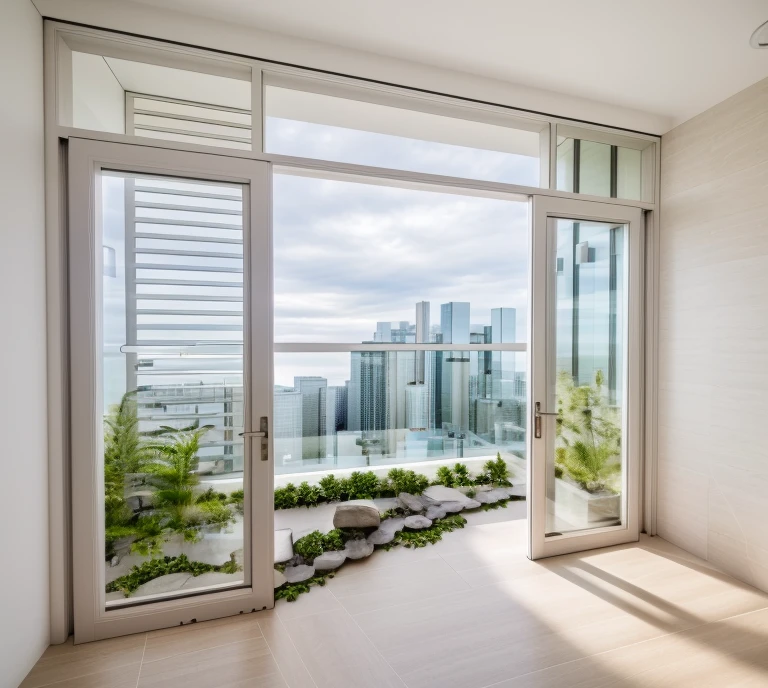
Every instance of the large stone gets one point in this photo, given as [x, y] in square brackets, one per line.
[499, 493]
[358, 549]
[381, 536]
[435, 512]
[278, 578]
[283, 545]
[427, 501]
[472, 504]
[411, 502]
[330, 561]
[168, 583]
[297, 574]
[485, 498]
[451, 507]
[417, 522]
[446, 494]
[393, 524]
[356, 516]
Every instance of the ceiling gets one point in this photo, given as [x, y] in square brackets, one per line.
[674, 58]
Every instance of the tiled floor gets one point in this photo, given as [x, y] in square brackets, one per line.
[469, 612]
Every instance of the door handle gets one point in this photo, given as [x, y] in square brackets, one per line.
[538, 413]
[262, 434]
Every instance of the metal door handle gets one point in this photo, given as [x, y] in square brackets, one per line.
[262, 434]
[538, 413]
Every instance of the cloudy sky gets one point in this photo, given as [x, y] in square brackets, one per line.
[349, 254]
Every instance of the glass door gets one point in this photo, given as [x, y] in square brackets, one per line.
[170, 345]
[586, 363]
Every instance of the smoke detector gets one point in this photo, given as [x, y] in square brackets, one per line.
[760, 37]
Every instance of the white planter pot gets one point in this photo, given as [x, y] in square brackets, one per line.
[580, 507]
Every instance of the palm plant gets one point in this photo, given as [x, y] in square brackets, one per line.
[588, 446]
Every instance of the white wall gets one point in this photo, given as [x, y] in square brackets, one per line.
[143, 19]
[24, 613]
[98, 99]
[713, 372]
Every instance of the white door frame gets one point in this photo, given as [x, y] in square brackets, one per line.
[541, 357]
[86, 160]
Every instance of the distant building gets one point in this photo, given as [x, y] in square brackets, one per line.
[313, 390]
[287, 425]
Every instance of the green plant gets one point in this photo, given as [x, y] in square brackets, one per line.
[427, 536]
[501, 504]
[308, 495]
[211, 495]
[399, 480]
[362, 485]
[237, 499]
[445, 477]
[462, 475]
[588, 437]
[286, 497]
[331, 487]
[497, 472]
[291, 591]
[154, 568]
[315, 543]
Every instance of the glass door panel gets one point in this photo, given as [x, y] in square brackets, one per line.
[169, 270]
[585, 445]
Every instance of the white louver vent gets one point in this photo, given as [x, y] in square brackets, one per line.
[188, 122]
[184, 315]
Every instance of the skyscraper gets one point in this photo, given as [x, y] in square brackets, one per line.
[454, 322]
[422, 337]
[453, 398]
[287, 430]
[313, 390]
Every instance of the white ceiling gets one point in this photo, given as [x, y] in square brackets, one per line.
[674, 58]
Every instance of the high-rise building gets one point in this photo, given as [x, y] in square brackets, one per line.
[313, 390]
[454, 322]
[422, 337]
[287, 425]
[416, 407]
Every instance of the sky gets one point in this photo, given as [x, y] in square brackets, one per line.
[349, 254]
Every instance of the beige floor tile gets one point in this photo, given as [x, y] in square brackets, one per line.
[338, 654]
[717, 654]
[318, 600]
[118, 677]
[68, 661]
[394, 558]
[286, 655]
[386, 587]
[200, 636]
[237, 665]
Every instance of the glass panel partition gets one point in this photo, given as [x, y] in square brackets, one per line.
[351, 130]
[172, 385]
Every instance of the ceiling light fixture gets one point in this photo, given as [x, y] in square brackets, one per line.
[760, 37]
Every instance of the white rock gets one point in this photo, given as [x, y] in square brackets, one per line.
[410, 502]
[417, 522]
[168, 583]
[297, 574]
[393, 524]
[329, 561]
[381, 536]
[472, 504]
[446, 494]
[356, 516]
[283, 545]
[452, 507]
[358, 549]
[435, 512]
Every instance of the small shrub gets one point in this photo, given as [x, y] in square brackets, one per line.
[362, 486]
[211, 495]
[462, 476]
[331, 487]
[445, 477]
[308, 495]
[237, 498]
[315, 543]
[497, 471]
[400, 480]
[286, 497]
